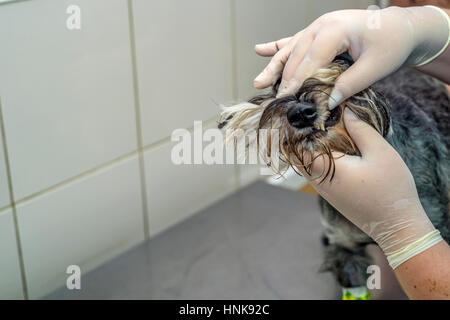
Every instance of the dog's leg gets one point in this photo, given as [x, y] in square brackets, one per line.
[345, 255]
[349, 267]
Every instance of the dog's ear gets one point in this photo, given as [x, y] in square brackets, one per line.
[244, 116]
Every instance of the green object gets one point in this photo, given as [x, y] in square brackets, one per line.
[358, 293]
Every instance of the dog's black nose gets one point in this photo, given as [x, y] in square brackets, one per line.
[302, 115]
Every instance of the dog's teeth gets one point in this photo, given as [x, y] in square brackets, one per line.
[322, 126]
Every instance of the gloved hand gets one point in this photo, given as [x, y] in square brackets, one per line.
[379, 42]
[377, 193]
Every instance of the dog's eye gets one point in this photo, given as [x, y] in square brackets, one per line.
[306, 100]
[334, 115]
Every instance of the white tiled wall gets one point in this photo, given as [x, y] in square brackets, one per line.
[183, 51]
[10, 280]
[257, 21]
[188, 188]
[67, 95]
[83, 223]
[88, 115]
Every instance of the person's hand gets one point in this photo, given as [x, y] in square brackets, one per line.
[375, 191]
[379, 42]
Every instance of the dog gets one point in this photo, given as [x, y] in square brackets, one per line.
[408, 108]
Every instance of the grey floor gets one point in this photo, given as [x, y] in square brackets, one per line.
[261, 243]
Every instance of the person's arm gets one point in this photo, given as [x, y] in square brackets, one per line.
[378, 41]
[377, 193]
[427, 275]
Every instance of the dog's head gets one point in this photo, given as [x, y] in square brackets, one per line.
[306, 127]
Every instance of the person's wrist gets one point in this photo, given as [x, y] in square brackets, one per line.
[431, 33]
[405, 228]
[413, 249]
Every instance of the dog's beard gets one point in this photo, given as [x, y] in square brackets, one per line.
[298, 148]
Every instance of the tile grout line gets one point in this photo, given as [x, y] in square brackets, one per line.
[77, 177]
[167, 139]
[5, 208]
[11, 2]
[137, 105]
[94, 170]
[13, 206]
[234, 85]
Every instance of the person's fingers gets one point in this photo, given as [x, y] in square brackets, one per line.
[321, 164]
[369, 68]
[273, 70]
[324, 48]
[270, 48]
[298, 52]
[369, 142]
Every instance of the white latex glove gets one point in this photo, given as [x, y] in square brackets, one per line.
[377, 193]
[379, 42]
